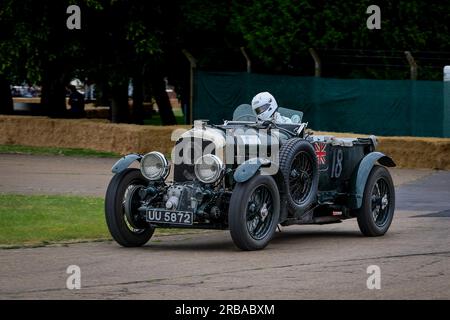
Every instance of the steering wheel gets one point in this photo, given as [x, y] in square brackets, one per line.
[248, 115]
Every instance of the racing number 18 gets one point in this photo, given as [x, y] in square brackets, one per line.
[336, 168]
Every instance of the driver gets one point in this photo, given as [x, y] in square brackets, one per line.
[265, 107]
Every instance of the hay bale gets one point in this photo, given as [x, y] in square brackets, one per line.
[83, 133]
[411, 152]
[98, 134]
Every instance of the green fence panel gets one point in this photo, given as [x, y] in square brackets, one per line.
[446, 113]
[382, 107]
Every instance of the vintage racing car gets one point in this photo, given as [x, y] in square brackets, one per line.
[249, 177]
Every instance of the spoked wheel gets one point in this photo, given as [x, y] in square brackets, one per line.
[380, 202]
[130, 204]
[301, 177]
[377, 210]
[298, 165]
[121, 203]
[254, 212]
[259, 212]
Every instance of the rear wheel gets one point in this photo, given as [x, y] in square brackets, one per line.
[121, 203]
[254, 212]
[377, 210]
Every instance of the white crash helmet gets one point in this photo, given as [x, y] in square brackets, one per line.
[264, 105]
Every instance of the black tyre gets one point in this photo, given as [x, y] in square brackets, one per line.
[127, 229]
[299, 168]
[254, 212]
[377, 210]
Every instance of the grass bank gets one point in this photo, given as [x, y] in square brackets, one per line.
[36, 220]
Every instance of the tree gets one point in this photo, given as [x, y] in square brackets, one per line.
[37, 47]
[129, 45]
[278, 32]
[53, 54]
[6, 102]
[142, 40]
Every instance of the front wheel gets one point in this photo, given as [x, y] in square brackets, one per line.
[254, 212]
[121, 203]
[377, 210]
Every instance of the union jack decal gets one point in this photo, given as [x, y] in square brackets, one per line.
[321, 153]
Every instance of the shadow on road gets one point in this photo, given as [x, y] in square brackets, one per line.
[222, 242]
[307, 235]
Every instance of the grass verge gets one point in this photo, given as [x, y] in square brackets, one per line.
[19, 149]
[37, 220]
[156, 118]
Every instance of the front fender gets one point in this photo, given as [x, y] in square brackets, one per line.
[361, 174]
[248, 169]
[125, 162]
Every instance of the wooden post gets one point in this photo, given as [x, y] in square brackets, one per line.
[193, 65]
[317, 63]
[247, 59]
[412, 65]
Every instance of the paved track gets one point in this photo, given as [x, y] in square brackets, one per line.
[302, 262]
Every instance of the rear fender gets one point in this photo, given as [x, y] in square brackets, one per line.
[361, 174]
[125, 162]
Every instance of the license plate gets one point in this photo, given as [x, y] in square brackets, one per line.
[170, 217]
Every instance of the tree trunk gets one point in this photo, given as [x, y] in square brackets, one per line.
[6, 101]
[137, 115]
[162, 99]
[148, 96]
[119, 104]
[53, 97]
[184, 95]
[102, 93]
